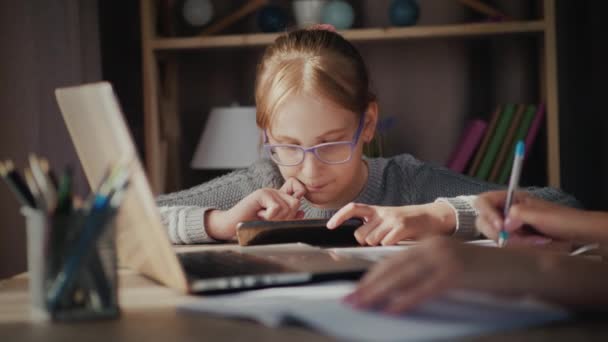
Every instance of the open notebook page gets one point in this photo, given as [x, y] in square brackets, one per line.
[320, 307]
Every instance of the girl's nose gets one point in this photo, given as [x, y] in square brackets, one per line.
[310, 166]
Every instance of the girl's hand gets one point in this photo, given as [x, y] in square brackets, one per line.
[293, 187]
[265, 204]
[389, 225]
[548, 221]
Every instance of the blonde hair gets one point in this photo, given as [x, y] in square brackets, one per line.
[313, 61]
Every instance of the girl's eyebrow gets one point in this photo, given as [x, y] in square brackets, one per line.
[290, 139]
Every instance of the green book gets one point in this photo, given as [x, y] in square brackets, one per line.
[506, 144]
[521, 134]
[495, 141]
[484, 143]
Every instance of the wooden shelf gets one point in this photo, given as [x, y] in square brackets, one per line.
[161, 86]
[368, 34]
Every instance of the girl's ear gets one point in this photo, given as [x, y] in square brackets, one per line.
[371, 119]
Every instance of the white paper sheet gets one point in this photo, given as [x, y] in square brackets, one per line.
[376, 253]
[455, 315]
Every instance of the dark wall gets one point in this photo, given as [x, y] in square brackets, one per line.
[582, 54]
[45, 45]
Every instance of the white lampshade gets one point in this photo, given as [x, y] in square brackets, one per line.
[230, 139]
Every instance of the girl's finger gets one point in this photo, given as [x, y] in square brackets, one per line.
[400, 233]
[294, 188]
[349, 211]
[362, 232]
[374, 237]
[293, 205]
[273, 206]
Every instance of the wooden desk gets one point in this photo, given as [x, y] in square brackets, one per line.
[148, 314]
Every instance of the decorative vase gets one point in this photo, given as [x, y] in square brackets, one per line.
[339, 13]
[197, 13]
[404, 12]
[272, 19]
[308, 12]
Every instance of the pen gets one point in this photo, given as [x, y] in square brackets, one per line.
[52, 178]
[503, 235]
[34, 190]
[16, 183]
[64, 193]
[47, 190]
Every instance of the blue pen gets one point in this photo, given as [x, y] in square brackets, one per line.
[513, 183]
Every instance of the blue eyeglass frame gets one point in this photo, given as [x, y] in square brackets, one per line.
[313, 149]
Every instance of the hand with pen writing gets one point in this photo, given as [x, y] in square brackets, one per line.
[389, 225]
[534, 221]
[407, 279]
[263, 204]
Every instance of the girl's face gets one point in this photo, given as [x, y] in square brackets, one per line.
[306, 121]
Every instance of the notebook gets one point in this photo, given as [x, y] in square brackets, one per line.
[101, 138]
[456, 315]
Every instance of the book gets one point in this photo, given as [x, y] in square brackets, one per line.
[311, 231]
[470, 139]
[505, 148]
[495, 141]
[484, 143]
[535, 126]
[523, 130]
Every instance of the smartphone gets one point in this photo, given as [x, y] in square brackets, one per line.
[310, 231]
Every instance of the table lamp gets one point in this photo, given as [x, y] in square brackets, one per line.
[230, 140]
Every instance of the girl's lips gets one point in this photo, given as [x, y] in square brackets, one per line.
[315, 188]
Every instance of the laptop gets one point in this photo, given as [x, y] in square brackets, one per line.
[101, 138]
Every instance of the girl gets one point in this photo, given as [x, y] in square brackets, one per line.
[316, 111]
[409, 278]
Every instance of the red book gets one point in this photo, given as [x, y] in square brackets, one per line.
[470, 139]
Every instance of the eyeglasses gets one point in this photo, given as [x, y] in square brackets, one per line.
[329, 153]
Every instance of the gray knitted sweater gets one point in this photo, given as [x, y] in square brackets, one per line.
[396, 181]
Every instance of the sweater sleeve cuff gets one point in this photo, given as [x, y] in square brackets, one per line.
[193, 229]
[465, 216]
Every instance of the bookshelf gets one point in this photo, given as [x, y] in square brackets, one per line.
[161, 84]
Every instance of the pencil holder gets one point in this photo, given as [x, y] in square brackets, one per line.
[36, 233]
[72, 265]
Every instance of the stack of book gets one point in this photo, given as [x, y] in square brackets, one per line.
[485, 150]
